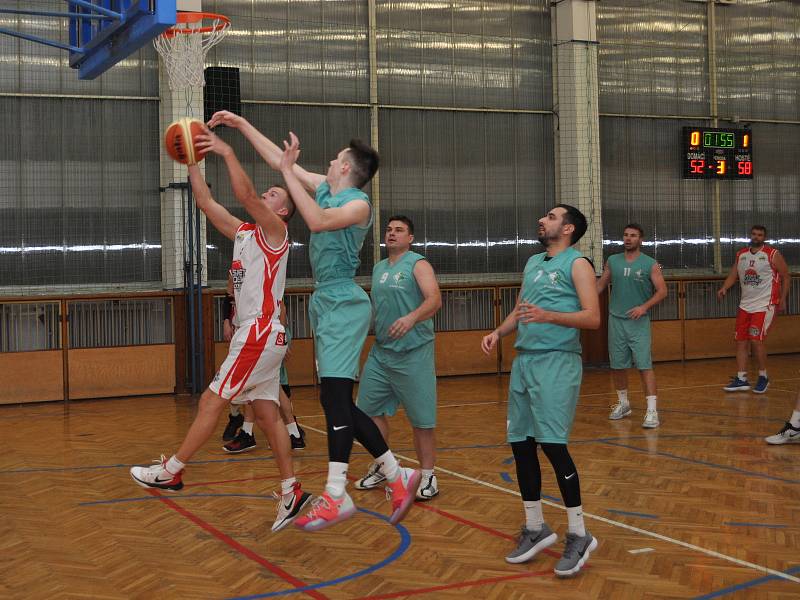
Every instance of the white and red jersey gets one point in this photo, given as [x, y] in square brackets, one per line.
[759, 280]
[259, 276]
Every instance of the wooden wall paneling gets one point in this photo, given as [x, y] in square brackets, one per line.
[122, 371]
[667, 340]
[459, 353]
[31, 376]
[710, 338]
[300, 362]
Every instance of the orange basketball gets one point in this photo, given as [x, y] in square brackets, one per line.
[179, 141]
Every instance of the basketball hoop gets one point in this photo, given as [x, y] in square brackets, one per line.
[184, 46]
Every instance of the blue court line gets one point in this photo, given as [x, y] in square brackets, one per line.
[405, 542]
[632, 514]
[506, 477]
[704, 463]
[762, 525]
[747, 584]
[551, 498]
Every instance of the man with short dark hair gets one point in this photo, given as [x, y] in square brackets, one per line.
[765, 281]
[637, 285]
[401, 367]
[558, 298]
[339, 217]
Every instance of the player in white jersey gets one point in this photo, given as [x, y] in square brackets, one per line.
[765, 281]
[251, 370]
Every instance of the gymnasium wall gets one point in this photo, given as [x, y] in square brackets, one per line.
[465, 125]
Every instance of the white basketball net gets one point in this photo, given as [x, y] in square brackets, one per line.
[184, 50]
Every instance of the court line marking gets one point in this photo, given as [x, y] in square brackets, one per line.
[640, 551]
[743, 586]
[652, 534]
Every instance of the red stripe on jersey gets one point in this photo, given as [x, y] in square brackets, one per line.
[248, 357]
[265, 247]
[246, 227]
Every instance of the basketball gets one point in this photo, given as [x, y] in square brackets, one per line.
[179, 141]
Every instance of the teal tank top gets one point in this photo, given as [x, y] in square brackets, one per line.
[334, 254]
[548, 284]
[395, 293]
[630, 283]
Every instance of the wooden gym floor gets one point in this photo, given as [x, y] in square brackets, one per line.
[700, 508]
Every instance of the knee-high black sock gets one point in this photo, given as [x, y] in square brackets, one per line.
[368, 433]
[336, 397]
[566, 473]
[529, 474]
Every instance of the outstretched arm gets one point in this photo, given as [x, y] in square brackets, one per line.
[269, 151]
[271, 224]
[317, 218]
[219, 216]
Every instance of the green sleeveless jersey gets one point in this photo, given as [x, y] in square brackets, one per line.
[630, 283]
[547, 283]
[395, 293]
[334, 254]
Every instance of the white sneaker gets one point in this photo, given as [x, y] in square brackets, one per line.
[651, 419]
[619, 411]
[374, 478]
[788, 435]
[290, 506]
[428, 488]
[157, 476]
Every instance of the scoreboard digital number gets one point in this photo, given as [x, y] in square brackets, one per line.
[711, 153]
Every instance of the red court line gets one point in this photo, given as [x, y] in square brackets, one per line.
[484, 528]
[237, 546]
[247, 479]
[461, 584]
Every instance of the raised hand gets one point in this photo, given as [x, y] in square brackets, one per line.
[225, 117]
[291, 152]
[208, 141]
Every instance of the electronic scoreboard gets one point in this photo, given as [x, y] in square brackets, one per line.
[712, 153]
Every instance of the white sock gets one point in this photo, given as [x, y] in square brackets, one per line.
[742, 375]
[337, 479]
[247, 428]
[534, 519]
[762, 373]
[292, 429]
[174, 466]
[427, 473]
[651, 402]
[575, 520]
[795, 420]
[287, 485]
[234, 408]
[389, 465]
[623, 396]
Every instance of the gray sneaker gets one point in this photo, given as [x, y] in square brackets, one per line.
[619, 411]
[374, 478]
[531, 543]
[576, 552]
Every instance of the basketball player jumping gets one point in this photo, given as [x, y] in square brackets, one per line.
[339, 217]
[250, 371]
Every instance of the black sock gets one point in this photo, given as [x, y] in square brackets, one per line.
[566, 473]
[336, 397]
[529, 474]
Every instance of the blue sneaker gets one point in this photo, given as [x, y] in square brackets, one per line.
[737, 385]
[761, 385]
